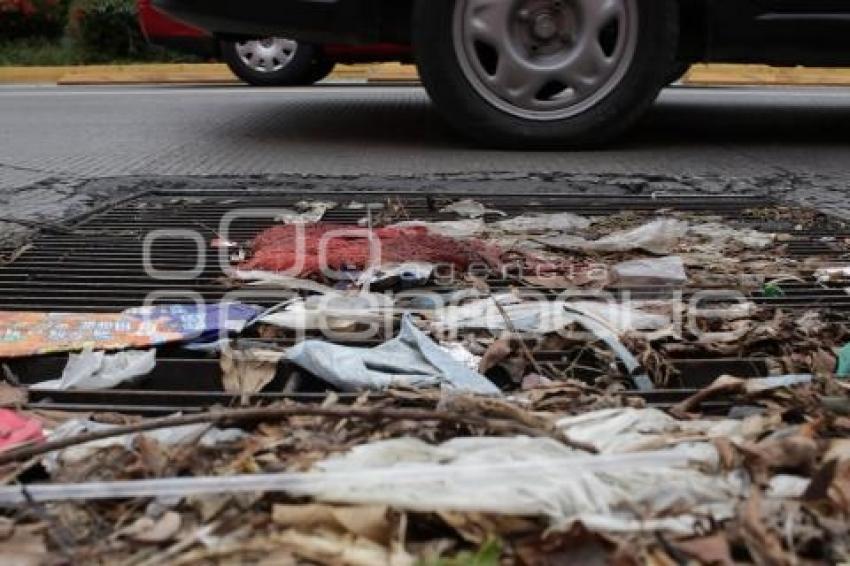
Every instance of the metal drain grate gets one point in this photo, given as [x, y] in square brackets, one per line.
[97, 265]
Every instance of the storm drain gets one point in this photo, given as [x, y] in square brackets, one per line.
[168, 244]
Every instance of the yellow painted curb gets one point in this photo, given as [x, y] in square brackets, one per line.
[392, 72]
[709, 75]
[141, 74]
[763, 75]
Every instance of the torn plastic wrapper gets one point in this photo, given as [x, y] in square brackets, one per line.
[659, 237]
[518, 476]
[33, 333]
[410, 360]
[541, 223]
[628, 429]
[826, 274]
[307, 212]
[98, 370]
[543, 317]
[333, 312]
[470, 209]
[449, 228]
[721, 235]
[606, 321]
[399, 276]
[668, 270]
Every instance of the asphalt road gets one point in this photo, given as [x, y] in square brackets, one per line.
[794, 140]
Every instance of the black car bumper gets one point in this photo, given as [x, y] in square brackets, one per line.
[319, 21]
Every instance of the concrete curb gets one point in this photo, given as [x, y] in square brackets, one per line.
[387, 73]
[763, 75]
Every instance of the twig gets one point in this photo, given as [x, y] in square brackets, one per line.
[238, 415]
[509, 324]
[12, 257]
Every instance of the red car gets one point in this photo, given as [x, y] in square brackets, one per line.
[270, 61]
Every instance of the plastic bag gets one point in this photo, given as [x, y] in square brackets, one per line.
[98, 370]
[668, 270]
[410, 360]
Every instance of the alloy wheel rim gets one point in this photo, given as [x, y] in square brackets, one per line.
[545, 59]
[266, 55]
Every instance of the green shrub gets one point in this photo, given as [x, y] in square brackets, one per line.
[106, 28]
[32, 18]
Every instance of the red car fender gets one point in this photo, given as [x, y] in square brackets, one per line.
[157, 26]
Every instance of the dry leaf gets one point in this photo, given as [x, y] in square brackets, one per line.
[764, 545]
[248, 372]
[710, 551]
[369, 521]
[577, 546]
[149, 530]
[23, 548]
[798, 453]
[327, 547]
[11, 396]
[830, 487]
[477, 528]
[499, 351]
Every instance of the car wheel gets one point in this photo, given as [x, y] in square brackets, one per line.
[272, 61]
[677, 72]
[523, 73]
[322, 67]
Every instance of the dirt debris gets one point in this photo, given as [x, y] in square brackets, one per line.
[566, 462]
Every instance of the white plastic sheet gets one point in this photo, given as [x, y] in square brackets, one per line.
[99, 370]
[668, 270]
[660, 237]
[331, 312]
[721, 235]
[542, 223]
[470, 209]
[410, 360]
[542, 316]
[449, 228]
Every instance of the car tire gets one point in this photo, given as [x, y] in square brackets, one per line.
[544, 73]
[321, 69]
[677, 72]
[273, 62]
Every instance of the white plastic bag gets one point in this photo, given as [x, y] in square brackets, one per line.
[668, 270]
[98, 370]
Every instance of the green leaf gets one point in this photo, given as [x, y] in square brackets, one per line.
[488, 555]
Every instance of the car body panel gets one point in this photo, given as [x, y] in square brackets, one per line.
[788, 32]
[165, 30]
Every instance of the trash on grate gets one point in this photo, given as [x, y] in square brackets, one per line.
[33, 333]
[333, 311]
[684, 368]
[248, 371]
[17, 429]
[306, 212]
[566, 222]
[448, 228]
[660, 236]
[414, 469]
[668, 270]
[317, 249]
[412, 360]
[470, 209]
[97, 370]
